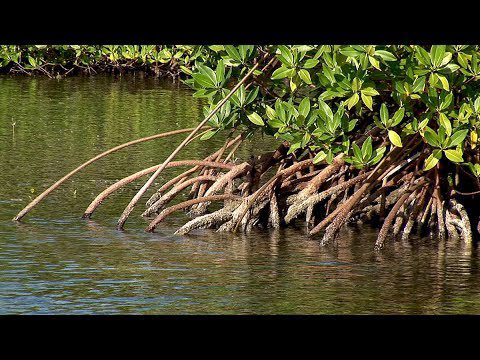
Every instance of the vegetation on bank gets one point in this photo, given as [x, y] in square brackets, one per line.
[379, 134]
[61, 60]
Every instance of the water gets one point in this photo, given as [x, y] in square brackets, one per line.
[54, 262]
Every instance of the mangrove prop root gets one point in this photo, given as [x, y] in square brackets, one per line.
[165, 199]
[339, 215]
[391, 216]
[206, 221]
[127, 211]
[220, 184]
[151, 227]
[270, 183]
[334, 194]
[451, 229]
[203, 185]
[318, 180]
[44, 194]
[417, 207]
[119, 184]
[440, 209]
[298, 207]
[157, 195]
[467, 228]
[274, 216]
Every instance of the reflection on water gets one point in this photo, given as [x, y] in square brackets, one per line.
[55, 262]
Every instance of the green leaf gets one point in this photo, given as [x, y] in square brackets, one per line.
[457, 137]
[305, 76]
[437, 52]
[476, 104]
[256, 119]
[293, 85]
[367, 100]
[205, 70]
[275, 123]
[395, 138]
[444, 82]
[431, 137]
[433, 159]
[319, 157]
[286, 55]
[203, 80]
[367, 149]
[208, 134]
[233, 53]
[310, 63]
[357, 152]
[375, 63]
[220, 71]
[352, 101]
[282, 72]
[32, 61]
[385, 55]
[454, 155]
[398, 117]
[443, 119]
[384, 114]
[325, 110]
[304, 107]
[419, 84]
[446, 101]
[369, 91]
[378, 155]
[271, 114]
[349, 51]
[422, 56]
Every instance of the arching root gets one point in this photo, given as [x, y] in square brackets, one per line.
[395, 194]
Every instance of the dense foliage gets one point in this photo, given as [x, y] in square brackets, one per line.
[318, 96]
[58, 60]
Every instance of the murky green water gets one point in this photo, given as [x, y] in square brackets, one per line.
[54, 262]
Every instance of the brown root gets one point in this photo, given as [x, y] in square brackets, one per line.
[206, 221]
[220, 184]
[44, 194]
[391, 216]
[151, 227]
[127, 180]
[300, 206]
[180, 178]
[165, 199]
[465, 221]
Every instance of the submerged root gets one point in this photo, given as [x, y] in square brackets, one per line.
[151, 227]
[206, 221]
[165, 199]
[127, 180]
[395, 195]
[464, 220]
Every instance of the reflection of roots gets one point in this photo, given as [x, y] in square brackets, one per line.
[277, 189]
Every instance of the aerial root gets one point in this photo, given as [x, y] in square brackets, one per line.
[44, 194]
[219, 185]
[127, 180]
[180, 178]
[391, 216]
[160, 217]
[412, 218]
[206, 221]
[464, 220]
[169, 196]
[299, 205]
[327, 196]
[274, 216]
